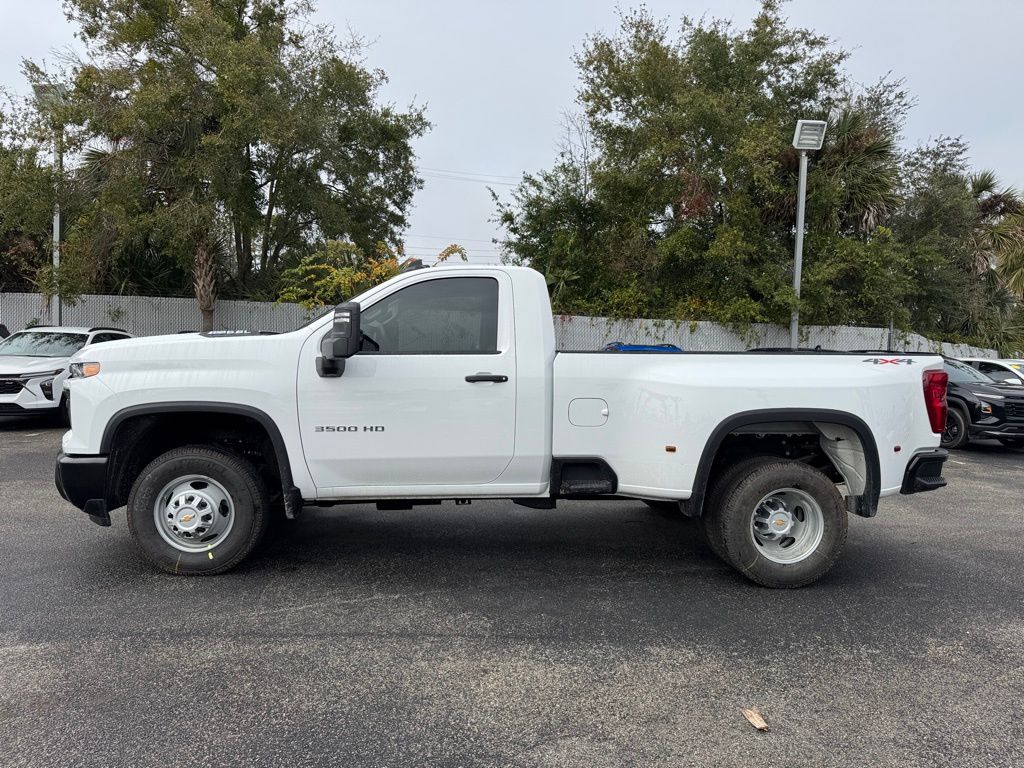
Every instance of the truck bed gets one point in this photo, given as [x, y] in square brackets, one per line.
[650, 416]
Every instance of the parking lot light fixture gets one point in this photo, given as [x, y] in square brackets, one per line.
[808, 137]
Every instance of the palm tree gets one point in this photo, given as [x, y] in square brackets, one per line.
[997, 232]
[861, 160]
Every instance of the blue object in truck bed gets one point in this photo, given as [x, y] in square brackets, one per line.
[618, 346]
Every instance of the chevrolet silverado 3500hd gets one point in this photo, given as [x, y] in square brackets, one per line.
[444, 383]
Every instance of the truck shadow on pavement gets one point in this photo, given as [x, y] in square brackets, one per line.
[30, 423]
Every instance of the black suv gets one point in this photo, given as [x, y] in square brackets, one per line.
[979, 407]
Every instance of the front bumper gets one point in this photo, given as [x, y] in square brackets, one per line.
[1006, 429]
[924, 472]
[30, 396]
[82, 480]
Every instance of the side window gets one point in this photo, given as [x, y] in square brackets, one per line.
[451, 315]
[100, 338]
[1000, 374]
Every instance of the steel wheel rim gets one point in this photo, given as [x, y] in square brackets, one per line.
[194, 513]
[787, 525]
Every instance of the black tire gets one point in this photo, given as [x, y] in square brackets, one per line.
[64, 412]
[1012, 442]
[248, 497]
[956, 434]
[713, 500]
[733, 520]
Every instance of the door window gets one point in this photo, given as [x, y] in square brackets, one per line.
[998, 372]
[446, 316]
[101, 338]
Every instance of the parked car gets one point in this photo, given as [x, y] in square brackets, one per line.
[1001, 371]
[34, 367]
[445, 383]
[980, 407]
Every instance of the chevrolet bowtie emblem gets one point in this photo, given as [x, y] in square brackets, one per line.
[187, 518]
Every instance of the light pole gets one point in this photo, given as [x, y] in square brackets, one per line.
[50, 97]
[808, 137]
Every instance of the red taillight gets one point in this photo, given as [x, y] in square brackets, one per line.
[935, 398]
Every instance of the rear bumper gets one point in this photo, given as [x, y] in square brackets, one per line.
[82, 480]
[924, 472]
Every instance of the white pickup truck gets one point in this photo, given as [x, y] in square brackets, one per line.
[444, 384]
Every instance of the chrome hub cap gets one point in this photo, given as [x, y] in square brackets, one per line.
[787, 525]
[193, 513]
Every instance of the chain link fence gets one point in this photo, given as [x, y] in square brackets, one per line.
[150, 315]
[147, 316]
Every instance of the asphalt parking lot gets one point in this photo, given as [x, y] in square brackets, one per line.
[591, 635]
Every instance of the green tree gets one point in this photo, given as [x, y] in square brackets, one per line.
[342, 270]
[26, 200]
[963, 230]
[683, 203]
[226, 138]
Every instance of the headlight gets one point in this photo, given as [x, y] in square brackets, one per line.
[84, 370]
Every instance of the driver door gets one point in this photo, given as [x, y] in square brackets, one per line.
[430, 398]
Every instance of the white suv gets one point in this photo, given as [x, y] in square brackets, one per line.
[1003, 371]
[34, 367]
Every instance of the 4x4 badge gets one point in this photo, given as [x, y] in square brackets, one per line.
[889, 360]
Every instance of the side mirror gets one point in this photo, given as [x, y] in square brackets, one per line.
[342, 342]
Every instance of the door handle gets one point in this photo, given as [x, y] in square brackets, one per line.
[496, 378]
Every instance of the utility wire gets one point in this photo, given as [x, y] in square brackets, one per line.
[470, 173]
[447, 177]
[451, 239]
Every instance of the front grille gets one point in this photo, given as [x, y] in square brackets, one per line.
[10, 386]
[1015, 411]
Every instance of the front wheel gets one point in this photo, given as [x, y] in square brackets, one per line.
[783, 524]
[64, 411]
[197, 510]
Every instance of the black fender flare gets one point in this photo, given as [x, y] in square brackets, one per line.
[866, 504]
[292, 496]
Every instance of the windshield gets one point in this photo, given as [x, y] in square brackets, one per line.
[961, 373]
[321, 312]
[42, 344]
[318, 314]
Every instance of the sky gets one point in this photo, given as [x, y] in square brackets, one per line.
[497, 78]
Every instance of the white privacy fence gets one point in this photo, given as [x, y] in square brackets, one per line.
[146, 316]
